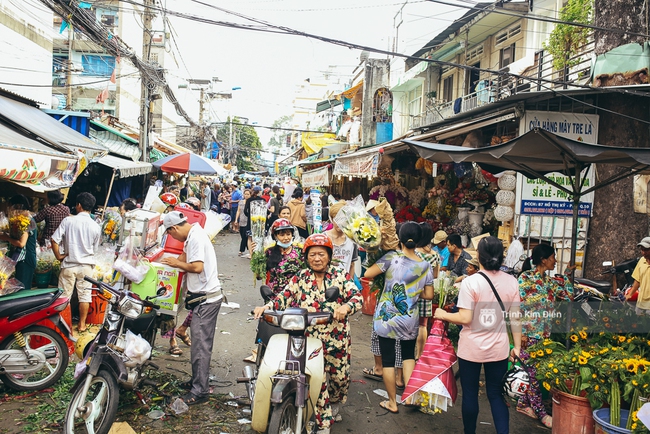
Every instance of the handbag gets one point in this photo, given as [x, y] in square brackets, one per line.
[513, 383]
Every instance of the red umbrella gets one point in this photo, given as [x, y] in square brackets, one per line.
[433, 376]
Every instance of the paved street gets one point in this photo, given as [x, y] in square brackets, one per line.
[362, 413]
[234, 341]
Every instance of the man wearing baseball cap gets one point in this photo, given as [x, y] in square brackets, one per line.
[440, 246]
[199, 261]
[641, 279]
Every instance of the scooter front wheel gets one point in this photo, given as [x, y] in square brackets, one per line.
[94, 412]
[283, 418]
[52, 348]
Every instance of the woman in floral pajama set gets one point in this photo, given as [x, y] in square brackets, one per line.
[307, 290]
[538, 292]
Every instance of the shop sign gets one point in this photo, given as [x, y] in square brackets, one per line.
[365, 165]
[538, 197]
[316, 178]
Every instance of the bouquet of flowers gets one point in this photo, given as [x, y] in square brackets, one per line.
[416, 196]
[258, 213]
[396, 195]
[111, 226]
[409, 214]
[443, 287]
[358, 225]
[19, 223]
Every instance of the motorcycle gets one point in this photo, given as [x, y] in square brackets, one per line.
[605, 286]
[32, 357]
[105, 365]
[285, 383]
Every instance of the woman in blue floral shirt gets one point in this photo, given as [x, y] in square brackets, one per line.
[307, 290]
[538, 293]
[408, 278]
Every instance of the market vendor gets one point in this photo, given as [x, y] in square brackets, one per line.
[440, 246]
[22, 237]
[458, 258]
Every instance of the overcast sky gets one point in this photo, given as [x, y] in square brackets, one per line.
[267, 67]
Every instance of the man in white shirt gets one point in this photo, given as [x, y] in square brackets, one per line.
[206, 196]
[199, 261]
[79, 235]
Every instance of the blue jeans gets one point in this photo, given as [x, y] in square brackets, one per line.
[233, 215]
[469, 378]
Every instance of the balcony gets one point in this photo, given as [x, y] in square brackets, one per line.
[538, 77]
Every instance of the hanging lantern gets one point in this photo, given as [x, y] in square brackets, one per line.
[504, 213]
[505, 197]
[508, 180]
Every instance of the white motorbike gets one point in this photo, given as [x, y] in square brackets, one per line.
[284, 385]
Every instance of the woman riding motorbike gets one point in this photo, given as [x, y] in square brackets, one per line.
[307, 290]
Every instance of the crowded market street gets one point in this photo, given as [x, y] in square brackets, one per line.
[234, 342]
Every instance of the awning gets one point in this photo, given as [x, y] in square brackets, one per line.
[316, 178]
[402, 82]
[170, 148]
[116, 144]
[294, 154]
[358, 166]
[31, 121]
[467, 126]
[327, 104]
[351, 92]
[35, 165]
[115, 131]
[125, 168]
[314, 142]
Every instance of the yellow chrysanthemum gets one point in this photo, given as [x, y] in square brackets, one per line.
[574, 338]
[582, 334]
[549, 351]
[546, 385]
[596, 387]
[540, 353]
[582, 360]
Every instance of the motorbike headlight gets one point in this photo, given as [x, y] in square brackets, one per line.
[131, 308]
[293, 322]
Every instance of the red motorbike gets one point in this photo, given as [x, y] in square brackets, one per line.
[32, 356]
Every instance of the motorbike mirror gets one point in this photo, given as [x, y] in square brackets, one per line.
[161, 291]
[332, 293]
[266, 292]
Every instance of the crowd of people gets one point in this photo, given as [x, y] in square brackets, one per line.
[301, 265]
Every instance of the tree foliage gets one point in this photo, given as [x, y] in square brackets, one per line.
[247, 144]
[278, 139]
[565, 40]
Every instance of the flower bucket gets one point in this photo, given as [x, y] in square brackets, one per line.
[96, 310]
[601, 418]
[42, 279]
[571, 414]
[369, 298]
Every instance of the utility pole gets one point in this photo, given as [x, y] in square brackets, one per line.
[145, 108]
[70, 66]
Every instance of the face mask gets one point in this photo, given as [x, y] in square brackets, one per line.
[283, 245]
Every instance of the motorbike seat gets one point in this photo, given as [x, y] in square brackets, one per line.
[603, 286]
[27, 300]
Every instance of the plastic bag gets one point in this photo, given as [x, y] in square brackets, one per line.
[215, 222]
[104, 259]
[44, 258]
[358, 225]
[4, 223]
[137, 349]
[7, 285]
[129, 263]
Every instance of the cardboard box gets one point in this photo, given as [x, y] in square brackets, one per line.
[160, 275]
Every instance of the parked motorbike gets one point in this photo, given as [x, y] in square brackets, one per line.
[32, 357]
[95, 394]
[284, 385]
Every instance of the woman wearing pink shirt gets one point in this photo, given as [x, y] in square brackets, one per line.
[484, 340]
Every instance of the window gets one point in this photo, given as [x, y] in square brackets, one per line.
[97, 65]
[415, 101]
[506, 56]
[448, 88]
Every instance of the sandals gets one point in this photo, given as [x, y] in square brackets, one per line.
[174, 350]
[547, 421]
[528, 412]
[384, 405]
[191, 399]
[82, 331]
[185, 338]
[370, 373]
